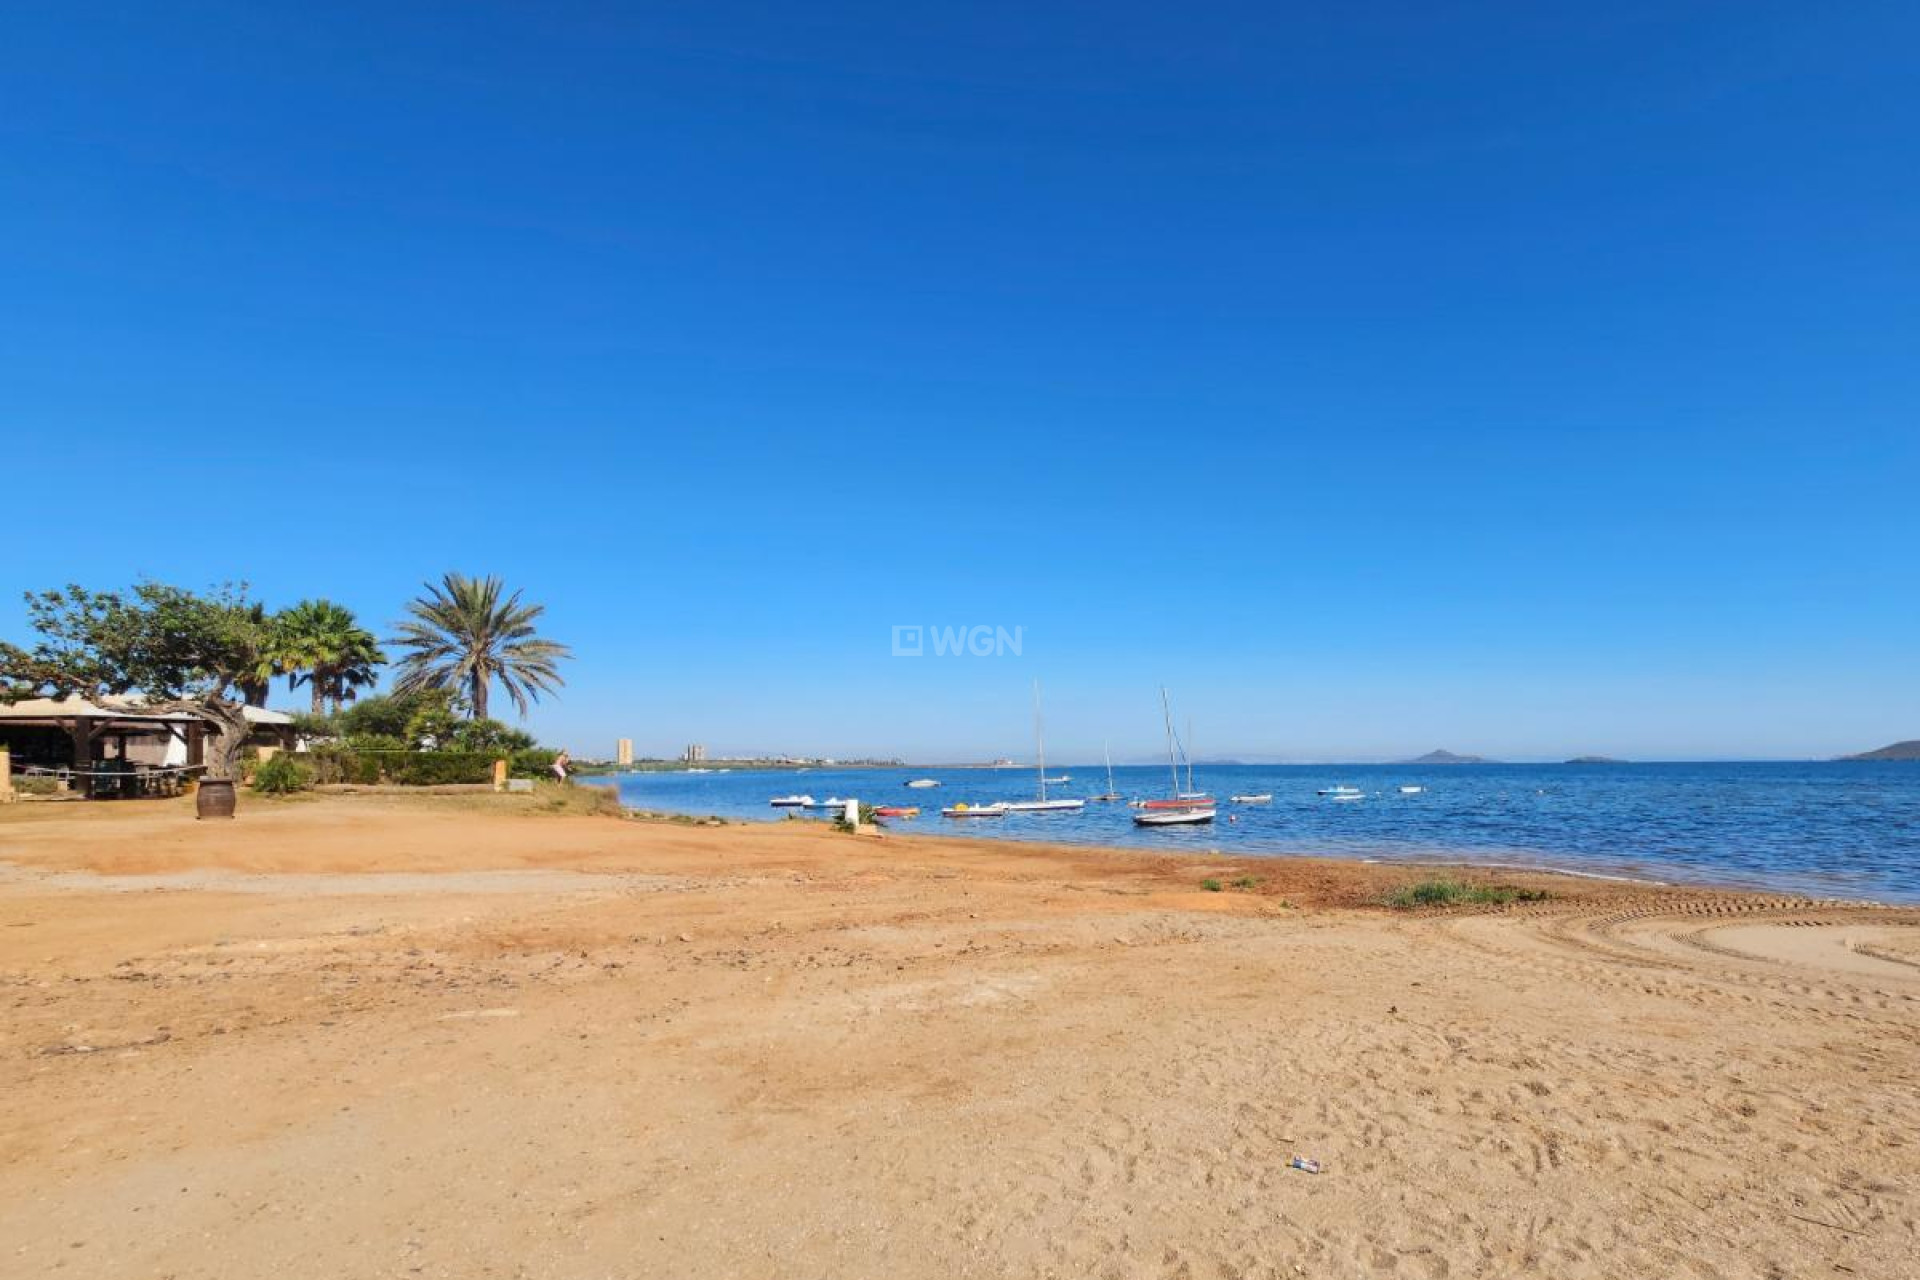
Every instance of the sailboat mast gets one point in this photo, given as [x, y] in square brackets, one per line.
[1039, 740]
[1173, 764]
[1189, 754]
[1106, 749]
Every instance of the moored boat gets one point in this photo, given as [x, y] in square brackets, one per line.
[965, 810]
[1172, 817]
[1338, 791]
[1110, 794]
[1043, 806]
[791, 802]
[1264, 797]
[896, 811]
[921, 784]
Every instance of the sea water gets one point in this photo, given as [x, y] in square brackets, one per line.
[1829, 829]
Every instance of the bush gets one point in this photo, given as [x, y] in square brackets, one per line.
[532, 762]
[281, 775]
[1447, 893]
[438, 768]
[37, 786]
[334, 763]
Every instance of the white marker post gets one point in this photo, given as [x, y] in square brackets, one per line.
[853, 813]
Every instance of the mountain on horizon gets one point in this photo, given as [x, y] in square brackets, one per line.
[1908, 750]
[1447, 757]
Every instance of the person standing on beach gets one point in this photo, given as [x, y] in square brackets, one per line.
[560, 766]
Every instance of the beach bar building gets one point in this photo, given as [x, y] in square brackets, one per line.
[114, 747]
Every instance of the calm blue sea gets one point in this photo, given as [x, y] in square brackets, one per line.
[1828, 828]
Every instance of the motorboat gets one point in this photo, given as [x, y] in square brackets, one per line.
[1043, 806]
[921, 784]
[964, 810]
[1411, 791]
[1338, 791]
[1264, 797]
[791, 802]
[896, 811]
[1172, 817]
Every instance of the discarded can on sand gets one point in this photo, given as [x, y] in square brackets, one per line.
[1304, 1165]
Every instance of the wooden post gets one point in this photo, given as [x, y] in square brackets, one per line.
[6, 774]
[499, 775]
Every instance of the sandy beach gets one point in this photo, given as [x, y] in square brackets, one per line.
[371, 1036]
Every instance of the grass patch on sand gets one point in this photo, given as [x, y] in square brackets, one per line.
[1456, 893]
[1211, 885]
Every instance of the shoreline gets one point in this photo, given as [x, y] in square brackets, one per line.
[1428, 857]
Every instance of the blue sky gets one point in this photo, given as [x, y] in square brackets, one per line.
[1519, 379]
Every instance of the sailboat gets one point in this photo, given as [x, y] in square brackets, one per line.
[1183, 809]
[1042, 805]
[1107, 752]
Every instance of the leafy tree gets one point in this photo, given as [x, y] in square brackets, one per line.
[180, 651]
[490, 736]
[463, 636]
[320, 645]
[388, 715]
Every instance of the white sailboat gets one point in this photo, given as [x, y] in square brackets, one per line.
[1106, 752]
[1185, 808]
[1042, 805]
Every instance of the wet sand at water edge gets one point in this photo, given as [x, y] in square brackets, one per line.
[370, 1036]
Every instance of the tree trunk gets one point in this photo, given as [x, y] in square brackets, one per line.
[319, 693]
[227, 733]
[479, 696]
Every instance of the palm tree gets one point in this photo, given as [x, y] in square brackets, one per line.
[323, 647]
[261, 657]
[462, 636]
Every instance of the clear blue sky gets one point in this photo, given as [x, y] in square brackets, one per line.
[1522, 379]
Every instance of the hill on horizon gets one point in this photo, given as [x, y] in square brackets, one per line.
[1447, 757]
[1908, 750]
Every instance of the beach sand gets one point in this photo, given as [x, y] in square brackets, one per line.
[359, 1036]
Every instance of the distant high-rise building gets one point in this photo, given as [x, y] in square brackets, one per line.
[623, 751]
[696, 754]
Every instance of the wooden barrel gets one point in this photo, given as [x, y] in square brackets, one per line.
[214, 798]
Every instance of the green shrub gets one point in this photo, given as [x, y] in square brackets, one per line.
[281, 775]
[37, 786]
[1211, 885]
[1447, 893]
[532, 762]
[334, 763]
[438, 768]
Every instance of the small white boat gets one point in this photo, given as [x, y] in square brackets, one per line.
[791, 802]
[964, 810]
[1264, 797]
[1043, 806]
[921, 784]
[1338, 791]
[831, 802]
[1347, 796]
[1411, 791]
[1054, 782]
[1172, 817]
